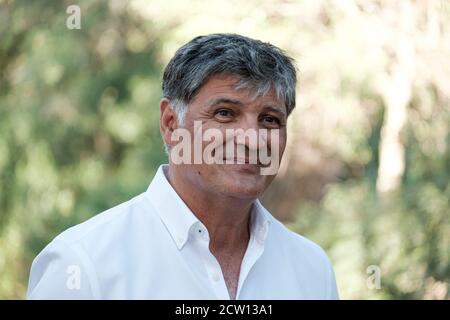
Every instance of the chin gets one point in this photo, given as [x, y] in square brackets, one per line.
[243, 183]
[241, 192]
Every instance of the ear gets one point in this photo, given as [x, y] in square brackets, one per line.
[167, 120]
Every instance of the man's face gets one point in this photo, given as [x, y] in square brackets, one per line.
[218, 105]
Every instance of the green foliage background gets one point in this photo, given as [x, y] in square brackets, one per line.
[79, 129]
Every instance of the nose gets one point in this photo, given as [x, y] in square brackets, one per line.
[250, 141]
[248, 134]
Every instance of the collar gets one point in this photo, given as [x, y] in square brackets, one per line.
[179, 219]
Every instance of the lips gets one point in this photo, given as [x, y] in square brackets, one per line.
[237, 160]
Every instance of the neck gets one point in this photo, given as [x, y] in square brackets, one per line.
[227, 218]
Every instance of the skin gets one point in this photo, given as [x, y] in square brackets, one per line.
[221, 195]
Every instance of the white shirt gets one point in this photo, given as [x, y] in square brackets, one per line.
[154, 247]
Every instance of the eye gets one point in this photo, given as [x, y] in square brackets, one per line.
[224, 113]
[271, 121]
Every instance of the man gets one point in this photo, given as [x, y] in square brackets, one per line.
[199, 231]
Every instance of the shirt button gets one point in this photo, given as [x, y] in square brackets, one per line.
[180, 240]
[260, 239]
[216, 277]
[202, 234]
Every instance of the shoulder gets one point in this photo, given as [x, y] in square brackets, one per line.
[299, 246]
[108, 224]
[78, 251]
[307, 259]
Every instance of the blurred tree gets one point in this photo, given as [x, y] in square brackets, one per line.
[78, 121]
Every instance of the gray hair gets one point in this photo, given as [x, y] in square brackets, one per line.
[259, 66]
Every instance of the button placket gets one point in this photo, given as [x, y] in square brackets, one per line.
[215, 274]
[254, 251]
[216, 277]
[211, 264]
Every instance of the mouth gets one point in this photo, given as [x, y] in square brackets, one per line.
[243, 161]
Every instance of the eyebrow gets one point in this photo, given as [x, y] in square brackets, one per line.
[239, 103]
[226, 101]
[274, 109]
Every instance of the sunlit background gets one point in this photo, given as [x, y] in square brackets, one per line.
[367, 170]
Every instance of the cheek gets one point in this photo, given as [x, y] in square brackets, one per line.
[277, 141]
[282, 148]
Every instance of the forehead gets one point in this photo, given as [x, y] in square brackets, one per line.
[225, 86]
